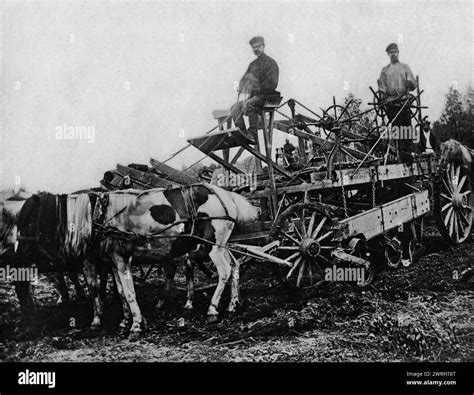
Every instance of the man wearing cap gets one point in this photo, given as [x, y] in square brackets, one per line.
[259, 81]
[396, 80]
[429, 143]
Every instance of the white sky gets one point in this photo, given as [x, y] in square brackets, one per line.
[70, 62]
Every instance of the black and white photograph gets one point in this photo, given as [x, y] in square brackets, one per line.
[258, 184]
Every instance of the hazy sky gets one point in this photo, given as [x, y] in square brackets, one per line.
[146, 75]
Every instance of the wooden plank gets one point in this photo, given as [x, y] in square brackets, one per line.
[149, 179]
[237, 155]
[262, 157]
[228, 138]
[222, 162]
[172, 174]
[388, 216]
[383, 173]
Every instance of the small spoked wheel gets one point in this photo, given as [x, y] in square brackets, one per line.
[305, 234]
[452, 200]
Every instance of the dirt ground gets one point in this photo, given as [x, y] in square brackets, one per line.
[419, 313]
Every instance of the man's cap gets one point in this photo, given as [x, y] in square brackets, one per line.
[426, 121]
[392, 47]
[256, 40]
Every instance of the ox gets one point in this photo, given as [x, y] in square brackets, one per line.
[166, 224]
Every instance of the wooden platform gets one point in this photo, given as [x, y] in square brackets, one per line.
[228, 138]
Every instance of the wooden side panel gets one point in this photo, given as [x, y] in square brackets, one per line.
[381, 219]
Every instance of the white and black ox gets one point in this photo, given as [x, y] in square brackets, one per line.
[166, 224]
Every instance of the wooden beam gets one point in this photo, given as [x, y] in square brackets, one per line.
[262, 157]
[149, 179]
[222, 162]
[383, 173]
[172, 174]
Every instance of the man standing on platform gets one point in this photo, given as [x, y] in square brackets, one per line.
[259, 81]
[396, 80]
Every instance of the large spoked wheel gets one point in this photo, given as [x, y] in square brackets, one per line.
[452, 202]
[305, 234]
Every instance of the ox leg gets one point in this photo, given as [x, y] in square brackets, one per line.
[169, 268]
[27, 303]
[105, 270]
[234, 290]
[77, 285]
[123, 276]
[127, 315]
[90, 271]
[223, 267]
[190, 284]
[62, 286]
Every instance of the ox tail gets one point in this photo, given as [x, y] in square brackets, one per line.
[246, 212]
[454, 151]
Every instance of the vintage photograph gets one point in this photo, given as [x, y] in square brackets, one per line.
[236, 181]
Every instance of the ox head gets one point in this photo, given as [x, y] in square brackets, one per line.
[9, 211]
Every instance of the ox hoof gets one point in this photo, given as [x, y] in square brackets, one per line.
[135, 335]
[144, 325]
[123, 331]
[211, 319]
[95, 327]
[229, 314]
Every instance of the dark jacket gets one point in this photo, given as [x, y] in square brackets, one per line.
[434, 142]
[263, 76]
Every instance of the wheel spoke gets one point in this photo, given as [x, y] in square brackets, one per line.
[467, 207]
[461, 183]
[297, 231]
[451, 175]
[458, 171]
[446, 197]
[446, 206]
[288, 248]
[451, 224]
[462, 215]
[291, 238]
[465, 193]
[324, 236]
[300, 273]
[456, 226]
[448, 216]
[303, 226]
[447, 187]
[318, 228]
[311, 223]
[293, 256]
[310, 274]
[292, 270]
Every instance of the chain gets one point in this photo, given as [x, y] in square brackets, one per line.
[372, 182]
[344, 202]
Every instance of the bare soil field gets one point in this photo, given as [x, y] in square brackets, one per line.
[418, 313]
